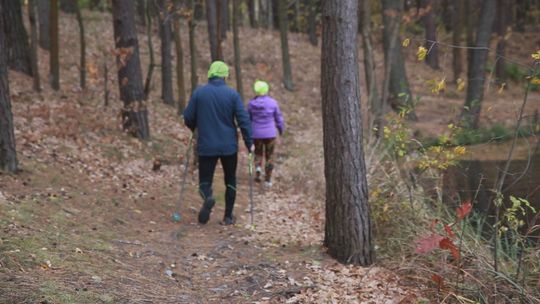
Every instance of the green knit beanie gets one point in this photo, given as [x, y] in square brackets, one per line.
[261, 87]
[218, 69]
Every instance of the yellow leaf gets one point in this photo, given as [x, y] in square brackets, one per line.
[460, 85]
[536, 55]
[422, 53]
[459, 150]
[406, 42]
[436, 86]
[535, 81]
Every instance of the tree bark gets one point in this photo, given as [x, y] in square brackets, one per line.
[374, 101]
[283, 29]
[180, 83]
[19, 55]
[475, 84]
[68, 6]
[522, 6]
[8, 152]
[152, 61]
[428, 18]
[43, 16]
[237, 54]
[54, 60]
[223, 10]
[82, 68]
[274, 6]
[399, 93]
[141, 11]
[313, 6]
[348, 224]
[165, 34]
[211, 19]
[501, 25]
[192, 24]
[263, 13]
[34, 44]
[457, 32]
[134, 113]
[219, 28]
[251, 12]
[471, 13]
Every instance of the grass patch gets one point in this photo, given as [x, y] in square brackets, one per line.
[495, 133]
[55, 292]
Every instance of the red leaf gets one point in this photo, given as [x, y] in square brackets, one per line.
[449, 231]
[464, 210]
[447, 243]
[428, 243]
[438, 280]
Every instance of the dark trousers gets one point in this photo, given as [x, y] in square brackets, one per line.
[207, 167]
[264, 148]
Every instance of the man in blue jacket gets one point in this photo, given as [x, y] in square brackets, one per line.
[215, 109]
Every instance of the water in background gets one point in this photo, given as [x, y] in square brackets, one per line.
[475, 177]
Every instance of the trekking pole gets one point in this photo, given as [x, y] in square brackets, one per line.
[176, 215]
[250, 168]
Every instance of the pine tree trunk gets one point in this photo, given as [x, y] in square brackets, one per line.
[8, 152]
[283, 29]
[224, 18]
[374, 101]
[399, 93]
[236, 42]
[165, 34]
[54, 60]
[251, 11]
[82, 68]
[457, 32]
[219, 28]
[274, 17]
[134, 113]
[19, 54]
[68, 6]
[432, 58]
[348, 224]
[313, 6]
[263, 13]
[179, 59]
[43, 16]
[141, 11]
[193, 48]
[522, 6]
[471, 13]
[211, 19]
[34, 44]
[501, 24]
[152, 61]
[475, 84]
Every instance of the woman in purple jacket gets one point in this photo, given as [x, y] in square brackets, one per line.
[266, 122]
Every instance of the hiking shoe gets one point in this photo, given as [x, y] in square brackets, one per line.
[228, 221]
[268, 184]
[204, 214]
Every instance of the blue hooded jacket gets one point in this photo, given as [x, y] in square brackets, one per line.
[215, 109]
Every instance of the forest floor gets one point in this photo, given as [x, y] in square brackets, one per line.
[87, 220]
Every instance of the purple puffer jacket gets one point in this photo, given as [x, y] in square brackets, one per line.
[266, 117]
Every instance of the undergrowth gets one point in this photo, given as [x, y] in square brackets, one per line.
[461, 255]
